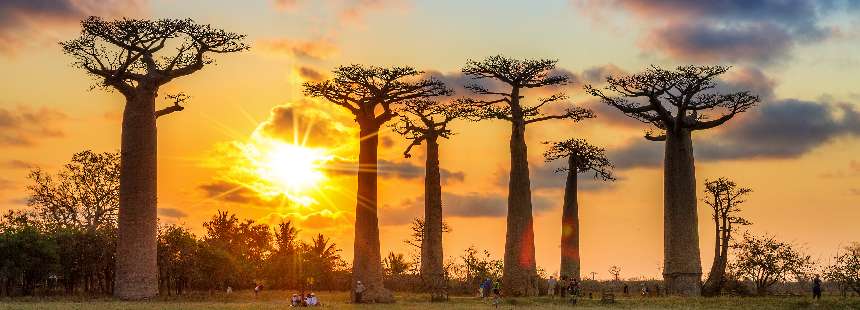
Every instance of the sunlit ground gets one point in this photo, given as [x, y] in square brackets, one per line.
[337, 300]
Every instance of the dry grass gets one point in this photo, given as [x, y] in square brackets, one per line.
[337, 300]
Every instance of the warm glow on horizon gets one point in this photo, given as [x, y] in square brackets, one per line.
[284, 169]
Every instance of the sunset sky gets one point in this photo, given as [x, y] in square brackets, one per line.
[799, 150]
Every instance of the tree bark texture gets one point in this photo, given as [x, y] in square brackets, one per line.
[136, 261]
[432, 270]
[367, 263]
[682, 263]
[570, 264]
[520, 275]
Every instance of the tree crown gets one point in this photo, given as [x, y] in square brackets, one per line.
[423, 119]
[126, 53]
[582, 155]
[362, 89]
[517, 74]
[670, 100]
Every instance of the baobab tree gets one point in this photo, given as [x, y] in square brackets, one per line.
[136, 57]
[506, 103]
[725, 199]
[424, 122]
[677, 102]
[582, 157]
[371, 94]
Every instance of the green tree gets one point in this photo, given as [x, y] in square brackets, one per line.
[845, 269]
[177, 252]
[766, 261]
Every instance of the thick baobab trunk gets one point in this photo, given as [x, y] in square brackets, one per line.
[520, 275]
[682, 265]
[570, 226]
[136, 261]
[432, 271]
[367, 262]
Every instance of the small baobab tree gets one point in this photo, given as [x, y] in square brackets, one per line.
[506, 103]
[136, 57]
[372, 94]
[582, 157]
[764, 260]
[725, 199]
[615, 271]
[424, 122]
[677, 102]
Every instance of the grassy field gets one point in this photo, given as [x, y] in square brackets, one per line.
[336, 300]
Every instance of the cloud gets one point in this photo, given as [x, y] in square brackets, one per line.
[310, 123]
[543, 177]
[17, 164]
[395, 170]
[302, 49]
[6, 184]
[229, 192]
[25, 126]
[25, 22]
[786, 128]
[757, 31]
[172, 213]
[310, 74]
[781, 129]
[467, 205]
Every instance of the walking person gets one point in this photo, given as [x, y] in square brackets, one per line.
[485, 288]
[359, 290]
[816, 288]
[551, 285]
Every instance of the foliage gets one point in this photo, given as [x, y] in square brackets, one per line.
[583, 157]
[396, 264]
[845, 269]
[84, 195]
[765, 261]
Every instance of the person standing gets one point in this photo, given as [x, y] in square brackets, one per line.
[816, 288]
[359, 290]
[562, 286]
[551, 285]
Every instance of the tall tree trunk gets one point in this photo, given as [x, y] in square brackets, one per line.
[367, 263]
[136, 265]
[713, 285]
[432, 270]
[520, 275]
[682, 263]
[570, 264]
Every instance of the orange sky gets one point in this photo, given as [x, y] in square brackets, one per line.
[797, 151]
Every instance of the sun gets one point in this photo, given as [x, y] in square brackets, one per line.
[274, 168]
[291, 167]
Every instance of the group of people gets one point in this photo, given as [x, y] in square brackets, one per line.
[563, 287]
[301, 300]
[491, 289]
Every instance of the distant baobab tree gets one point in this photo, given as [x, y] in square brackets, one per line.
[425, 121]
[582, 157]
[136, 57]
[520, 271]
[677, 102]
[725, 199]
[615, 271]
[371, 94]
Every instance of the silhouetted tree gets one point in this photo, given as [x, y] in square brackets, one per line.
[677, 102]
[84, 195]
[845, 269]
[131, 56]
[615, 271]
[27, 254]
[520, 276]
[425, 121]
[177, 250]
[396, 264]
[365, 90]
[765, 261]
[321, 260]
[283, 263]
[725, 199]
[581, 158]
